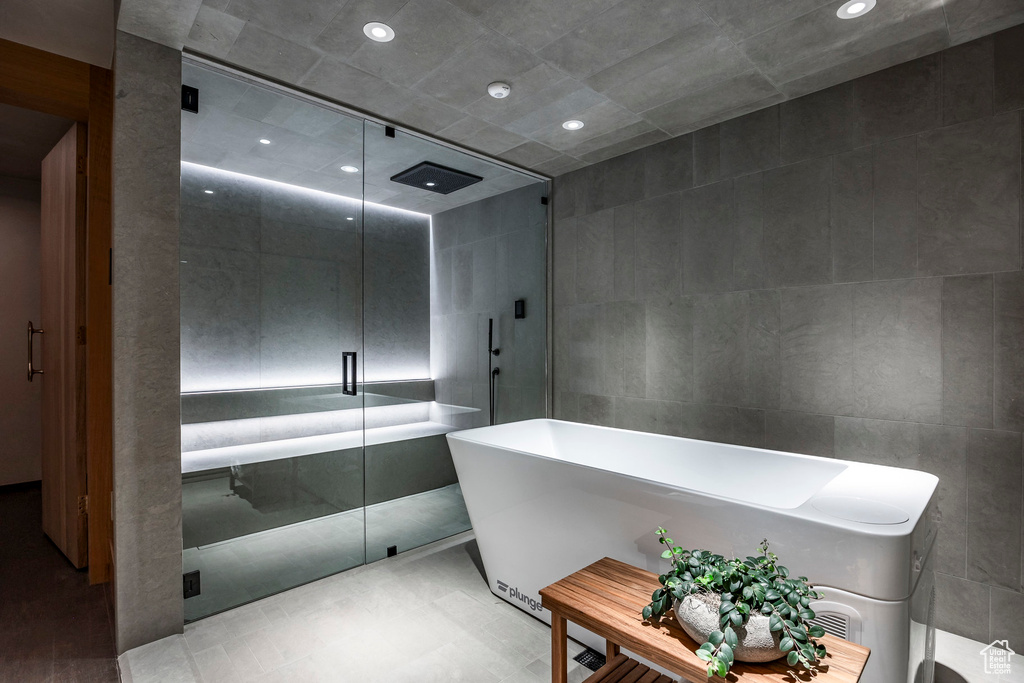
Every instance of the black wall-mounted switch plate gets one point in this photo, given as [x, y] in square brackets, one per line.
[190, 99]
[520, 308]
[190, 584]
[392, 550]
[544, 201]
[389, 132]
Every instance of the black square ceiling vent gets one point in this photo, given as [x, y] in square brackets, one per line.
[428, 176]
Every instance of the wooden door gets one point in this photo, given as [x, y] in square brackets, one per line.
[65, 504]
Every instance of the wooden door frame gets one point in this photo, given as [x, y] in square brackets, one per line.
[45, 82]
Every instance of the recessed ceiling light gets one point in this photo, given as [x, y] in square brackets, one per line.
[572, 125]
[382, 33]
[855, 8]
[264, 141]
[349, 218]
[349, 169]
[430, 184]
[208, 191]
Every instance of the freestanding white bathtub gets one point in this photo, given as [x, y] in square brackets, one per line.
[547, 498]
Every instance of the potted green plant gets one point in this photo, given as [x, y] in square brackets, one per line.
[747, 610]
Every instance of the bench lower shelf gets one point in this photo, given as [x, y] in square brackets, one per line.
[622, 669]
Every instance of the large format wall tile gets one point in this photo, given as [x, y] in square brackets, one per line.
[723, 236]
[884, 217]
[658, 247]
[967, 355]
[895, 209]
[994, 508]
[898, 101]
[852, 216]
[943, 452]
[1009, 70]
[968, 81]
[595, 256]
[736, 349]
[800, 433]
[798, 248]
[1008, 338]
[817, 349]
[897, 350]
[669, 348]
[969, 192]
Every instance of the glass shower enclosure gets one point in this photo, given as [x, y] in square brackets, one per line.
[338, 281]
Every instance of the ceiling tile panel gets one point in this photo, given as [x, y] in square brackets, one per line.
[679, 116]
[272, 55]
[678, 64]
[619, 33]
[214, 32]
[819, 40]
[741, 19]
[427, 33]
[344, 34]
[464, 77]
[297, 20]
[970, 19]
[693, 60]
[536, 23]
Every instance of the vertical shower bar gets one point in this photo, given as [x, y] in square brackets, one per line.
[492, 373]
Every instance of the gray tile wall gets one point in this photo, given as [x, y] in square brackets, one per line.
[837, 275]
[485, 256]
[276, 284]
[147, 451]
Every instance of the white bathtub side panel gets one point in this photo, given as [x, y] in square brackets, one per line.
[538, 520]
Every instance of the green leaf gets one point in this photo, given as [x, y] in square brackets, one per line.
[799, 633]
[772, 595]
[647, 612]
[792, 658]
[737, 618]
[806, 614]
[731, 638]
[716, 638]
[723, 668]
[707, 647]
[775, 622]
[703, 654]
[793, 598]
[667, 554]
[786, 644]
[816, 631]
[725, 652]
[726, 607]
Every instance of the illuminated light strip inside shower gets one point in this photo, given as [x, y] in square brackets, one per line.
[300, 188]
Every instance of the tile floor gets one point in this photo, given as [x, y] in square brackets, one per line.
[254, 566]
[426, 615]
[54, 626]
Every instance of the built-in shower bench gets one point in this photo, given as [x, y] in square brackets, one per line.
[607, 598]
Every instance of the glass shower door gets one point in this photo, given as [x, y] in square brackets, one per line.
[451, 241]
[271, 341]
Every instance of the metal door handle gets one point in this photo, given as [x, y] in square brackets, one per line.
[345, 359]
[32, 331]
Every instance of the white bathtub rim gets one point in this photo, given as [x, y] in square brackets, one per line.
[805, 510]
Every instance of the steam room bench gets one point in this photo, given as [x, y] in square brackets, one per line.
[607, 597]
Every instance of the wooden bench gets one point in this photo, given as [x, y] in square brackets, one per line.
[607, 597]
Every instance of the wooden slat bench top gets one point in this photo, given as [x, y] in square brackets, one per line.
[607, 598]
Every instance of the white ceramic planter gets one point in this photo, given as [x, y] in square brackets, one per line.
[699, 617]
